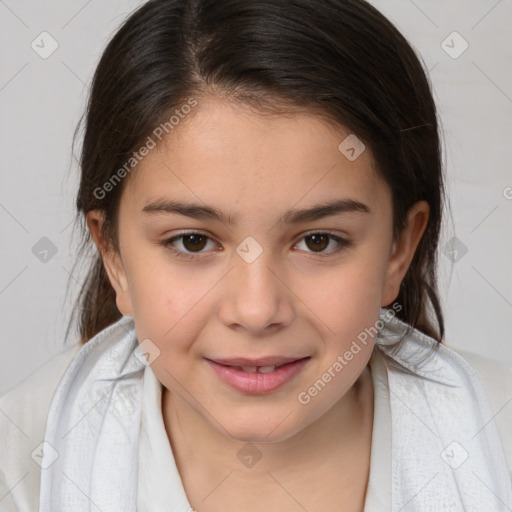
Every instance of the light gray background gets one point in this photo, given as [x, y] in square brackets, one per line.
[41, 101]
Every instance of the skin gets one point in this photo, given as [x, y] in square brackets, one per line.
[290, 301]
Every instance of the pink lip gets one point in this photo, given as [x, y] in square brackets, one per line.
[257, 383]
[261, 361]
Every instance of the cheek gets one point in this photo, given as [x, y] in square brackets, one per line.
[346, 297]
[161, 290]
[170, 304]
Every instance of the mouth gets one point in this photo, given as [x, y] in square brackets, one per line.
[257, 378]
[260, 362]
[260, 369]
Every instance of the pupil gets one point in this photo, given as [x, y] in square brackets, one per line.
[195, 241]
[316, 239]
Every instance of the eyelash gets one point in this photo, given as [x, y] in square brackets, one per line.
[167, 243]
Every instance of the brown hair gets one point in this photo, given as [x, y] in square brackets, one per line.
[341, 59]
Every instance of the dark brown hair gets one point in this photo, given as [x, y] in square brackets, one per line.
[340, 59]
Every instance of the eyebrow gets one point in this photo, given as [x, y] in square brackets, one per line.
[293, 216]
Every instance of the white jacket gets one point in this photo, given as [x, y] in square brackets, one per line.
[24, 411]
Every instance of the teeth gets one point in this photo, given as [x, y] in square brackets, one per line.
[249, 369]
[254, 369]
[266, 369]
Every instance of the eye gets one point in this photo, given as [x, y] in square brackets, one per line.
[194, 242]
[318, 241]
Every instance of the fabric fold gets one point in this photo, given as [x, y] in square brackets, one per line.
[446, 450]
[91, 438]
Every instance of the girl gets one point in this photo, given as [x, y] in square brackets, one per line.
[260, 329]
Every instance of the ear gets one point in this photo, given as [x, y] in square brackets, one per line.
[402, 251]
[112, 262]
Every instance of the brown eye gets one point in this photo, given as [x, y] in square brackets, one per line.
[188, 245]
[318, 242]
[194, 242]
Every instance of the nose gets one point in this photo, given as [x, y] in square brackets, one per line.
[256, 297]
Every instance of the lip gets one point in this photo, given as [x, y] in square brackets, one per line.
[261, 361]
[257, 383]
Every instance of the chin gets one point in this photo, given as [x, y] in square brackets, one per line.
[258, 429]
[260, 437]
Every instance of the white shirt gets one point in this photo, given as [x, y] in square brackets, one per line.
[23, 412]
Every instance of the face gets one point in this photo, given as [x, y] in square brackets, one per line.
[264, 280]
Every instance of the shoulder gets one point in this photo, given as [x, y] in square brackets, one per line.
[23, 412]
[415, 356]
[496, 378]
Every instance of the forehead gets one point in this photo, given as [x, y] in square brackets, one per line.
[228, 154]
